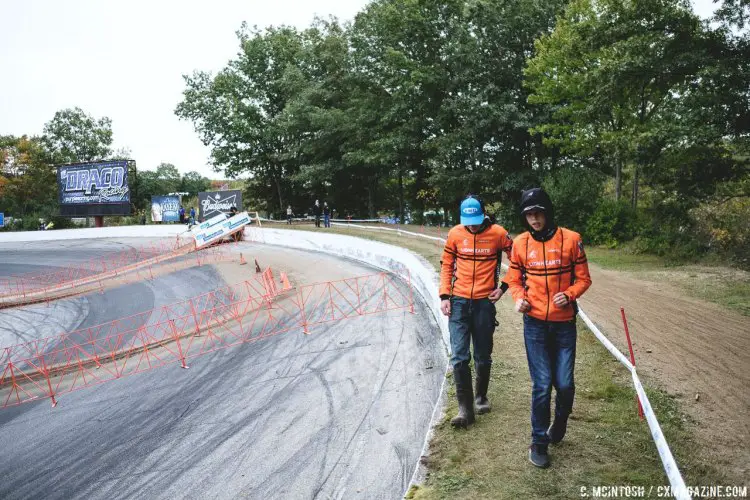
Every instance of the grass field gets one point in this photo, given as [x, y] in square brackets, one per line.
[607, 443]
[721, 285]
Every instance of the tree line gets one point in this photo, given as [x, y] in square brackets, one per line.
[28, 183]
[634, 115]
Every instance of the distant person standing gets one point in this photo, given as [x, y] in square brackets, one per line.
[326, 214]
[192, 215]
[289, 215]
[181, 212]
[316, 212]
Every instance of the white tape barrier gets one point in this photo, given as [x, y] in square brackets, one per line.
[357, 220]
[679, 490]
[605, 341]
[397, 230]
[281, 221]
[668, 461]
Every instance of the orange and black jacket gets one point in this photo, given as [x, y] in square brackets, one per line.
[471, 261]
[540, 269]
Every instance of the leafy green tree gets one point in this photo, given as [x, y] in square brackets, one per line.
[613, 70]
[168, 178]
[237, 111]
[28, 180]
[193, 183]
[483, 144]
[73, 135]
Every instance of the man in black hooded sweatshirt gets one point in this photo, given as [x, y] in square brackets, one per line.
[548, 272]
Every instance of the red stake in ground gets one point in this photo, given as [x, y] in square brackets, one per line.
[632, 357]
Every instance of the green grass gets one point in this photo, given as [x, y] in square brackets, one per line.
[621, 259]
[607, 443]
[722, 285]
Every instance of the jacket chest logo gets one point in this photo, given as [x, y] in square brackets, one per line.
[474, 250]
[542, 263]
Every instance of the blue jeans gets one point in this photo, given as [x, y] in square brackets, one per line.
[327, 220]
[551, 353]
[471, 321]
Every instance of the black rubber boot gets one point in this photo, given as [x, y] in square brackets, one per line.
[483, 381]
[556, 431]
[465, 397]
[538, 455]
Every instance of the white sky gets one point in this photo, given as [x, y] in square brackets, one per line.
[125, 60]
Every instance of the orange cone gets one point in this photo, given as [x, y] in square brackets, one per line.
[242, 260]
[285, 282]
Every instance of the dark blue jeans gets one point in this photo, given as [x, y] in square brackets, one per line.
[471, 321]
[551, 352]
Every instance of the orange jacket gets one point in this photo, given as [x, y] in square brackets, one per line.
[538, 270]
[473, 260]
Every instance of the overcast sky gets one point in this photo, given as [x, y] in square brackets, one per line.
[125, 60]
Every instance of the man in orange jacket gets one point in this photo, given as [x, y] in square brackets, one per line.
[469, 288]
[548, 272]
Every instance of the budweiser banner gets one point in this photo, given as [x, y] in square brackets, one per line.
[212, 203]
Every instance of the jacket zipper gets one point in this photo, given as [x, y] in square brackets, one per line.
[474, 272]
[546, 278]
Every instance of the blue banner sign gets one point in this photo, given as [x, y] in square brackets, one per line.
[165, 208]
[87, 183]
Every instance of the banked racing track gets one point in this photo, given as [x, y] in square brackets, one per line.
[339, 413]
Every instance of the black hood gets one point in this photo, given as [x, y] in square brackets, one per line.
[538, 199]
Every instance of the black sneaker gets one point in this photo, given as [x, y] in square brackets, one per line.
[538, 455]
[556, 431]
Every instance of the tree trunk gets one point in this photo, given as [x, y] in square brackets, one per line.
[371, 197]
[277, 181]
[400, 195]
[634, 199]
[420, 183]
[618, 179]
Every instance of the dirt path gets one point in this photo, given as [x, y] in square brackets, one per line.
[687, 346]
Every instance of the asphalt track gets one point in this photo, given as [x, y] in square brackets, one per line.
[340, 413]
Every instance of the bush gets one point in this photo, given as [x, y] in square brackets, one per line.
[724, 228]
[669, 232]
[612, 223]
[60, 222]
[575, 193]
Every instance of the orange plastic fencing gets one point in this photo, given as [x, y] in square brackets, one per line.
[139, 271]
[111, 263]
[242, 313]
